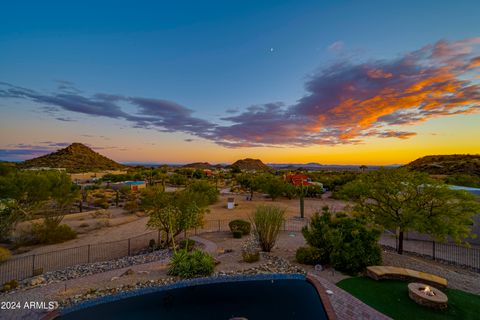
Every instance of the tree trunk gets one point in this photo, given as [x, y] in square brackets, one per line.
[302, 206]
[400, 242]
[251, 194]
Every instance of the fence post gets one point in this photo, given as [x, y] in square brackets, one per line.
[33, 265]
[218, 225]
[128, 246]
[433, 250]
[88, 254]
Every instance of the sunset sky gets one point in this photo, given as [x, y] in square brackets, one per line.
[334, 82]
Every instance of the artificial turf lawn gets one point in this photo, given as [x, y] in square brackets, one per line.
[390, 297]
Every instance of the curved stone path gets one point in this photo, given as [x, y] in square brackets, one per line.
[209, 246]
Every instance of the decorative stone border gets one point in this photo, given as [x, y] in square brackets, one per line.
[323, 297]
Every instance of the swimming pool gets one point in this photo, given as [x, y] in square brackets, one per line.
[245, 297]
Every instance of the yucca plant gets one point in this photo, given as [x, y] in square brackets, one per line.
[267, 221]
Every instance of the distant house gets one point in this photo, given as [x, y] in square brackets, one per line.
[298, 179]
[208, 172]
[133, 185]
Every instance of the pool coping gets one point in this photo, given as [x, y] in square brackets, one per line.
[324, 299]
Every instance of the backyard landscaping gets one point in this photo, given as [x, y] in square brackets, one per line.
[390, 297]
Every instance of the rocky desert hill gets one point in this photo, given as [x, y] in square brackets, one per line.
[199, 165]
[76, 157]
[250, 165]
[447, 164]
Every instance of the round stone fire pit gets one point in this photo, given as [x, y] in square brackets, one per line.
[428, 296]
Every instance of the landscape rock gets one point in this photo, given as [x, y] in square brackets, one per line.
[38, 280]
[128, 272]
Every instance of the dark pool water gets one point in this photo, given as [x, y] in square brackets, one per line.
[258, 299]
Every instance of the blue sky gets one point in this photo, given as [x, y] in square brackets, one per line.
[210, 57]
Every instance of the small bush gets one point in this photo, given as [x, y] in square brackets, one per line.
[356, 247]
[267, 221]
[5, 254]
[43, 234]
[186, 243]
[309, 255]
[348, 244]
[191, 265]
[9, 285]
[102, 223]
[237, 234]
[240, 225]
[152, 244]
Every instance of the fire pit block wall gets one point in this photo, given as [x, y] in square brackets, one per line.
[435, 299]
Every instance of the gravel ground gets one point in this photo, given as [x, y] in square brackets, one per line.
[457, 277]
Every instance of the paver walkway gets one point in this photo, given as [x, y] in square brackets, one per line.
[346, 306]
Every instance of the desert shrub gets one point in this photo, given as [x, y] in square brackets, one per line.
[100, 213]
[191, 265]
[186, 243]
[251, 250]
[237, 234]
[5, 254]
[102, 223]
[47, 234]
[267, 221]
[101, 200]
[318, 234]
[9, 285]
[308, 255]
[355, 246]
[240, 225]
[348, 244]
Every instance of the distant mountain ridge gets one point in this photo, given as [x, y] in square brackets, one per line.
[447, 164]
[76, 157]
[199, 165]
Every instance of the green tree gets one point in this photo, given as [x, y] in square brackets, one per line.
[249, 181]
[402, 200]
[272, 185]
[172, 213]
[23, 194]
[208, 191]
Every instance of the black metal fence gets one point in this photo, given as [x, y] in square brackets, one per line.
[27, 266]
[293, 225]
[443, 252]
[23, 267]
